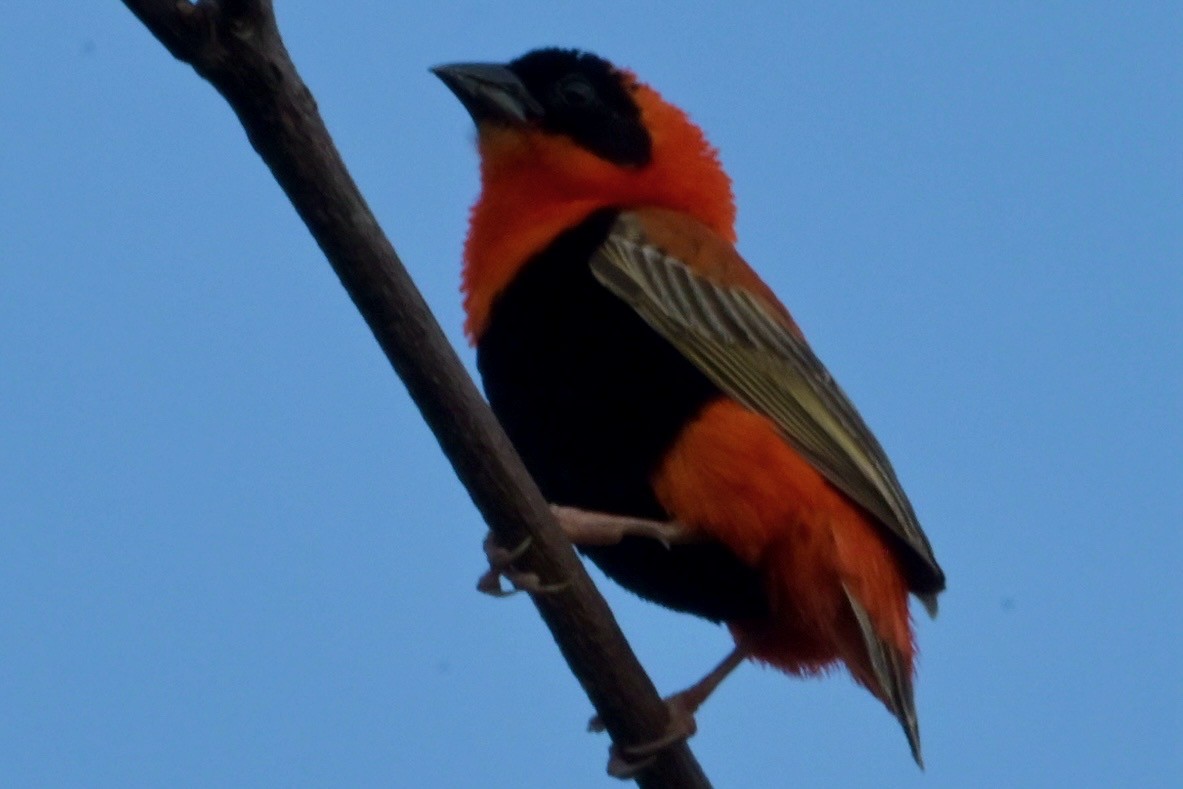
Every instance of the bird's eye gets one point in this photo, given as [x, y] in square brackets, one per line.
[575, 91]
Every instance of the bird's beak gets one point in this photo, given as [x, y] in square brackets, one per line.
[490, 92]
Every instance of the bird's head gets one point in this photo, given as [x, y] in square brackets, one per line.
[563, 134]
[582, 129]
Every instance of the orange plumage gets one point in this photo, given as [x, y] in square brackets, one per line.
[535, 185]
[643, 369]
[731, 474]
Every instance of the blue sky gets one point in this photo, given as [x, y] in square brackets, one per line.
[231, 554]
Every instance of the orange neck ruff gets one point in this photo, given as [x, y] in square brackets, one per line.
[535, 185]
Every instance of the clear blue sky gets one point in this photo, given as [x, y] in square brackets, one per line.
[231, 554]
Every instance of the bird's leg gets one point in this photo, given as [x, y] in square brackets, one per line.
[501, 566]
[585, 527]
[625, 761]
[582, 527]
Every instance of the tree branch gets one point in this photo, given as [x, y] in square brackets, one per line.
[236, 46]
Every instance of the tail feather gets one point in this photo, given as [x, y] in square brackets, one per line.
[893, 674]
[929, 600]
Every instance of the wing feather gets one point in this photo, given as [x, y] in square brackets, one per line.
[755, 355]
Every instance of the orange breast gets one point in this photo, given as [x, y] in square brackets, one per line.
[535, 185]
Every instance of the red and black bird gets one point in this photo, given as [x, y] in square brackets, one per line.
[642, 369]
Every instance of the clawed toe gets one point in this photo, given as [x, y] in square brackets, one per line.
[626, 761]
[501, 566]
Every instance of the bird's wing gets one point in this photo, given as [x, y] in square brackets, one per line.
[695, 290]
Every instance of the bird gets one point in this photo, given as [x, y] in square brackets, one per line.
[661, 395]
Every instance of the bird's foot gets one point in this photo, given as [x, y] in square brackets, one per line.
[627, 761]
[501, 566]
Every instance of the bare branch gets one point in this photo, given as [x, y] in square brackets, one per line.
[236, 45]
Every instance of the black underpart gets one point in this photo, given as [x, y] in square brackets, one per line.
[592, 399]
[586, 99]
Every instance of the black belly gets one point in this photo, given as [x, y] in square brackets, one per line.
[592, 399]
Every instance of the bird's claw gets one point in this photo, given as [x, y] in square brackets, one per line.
[501, 566]
[627, 761]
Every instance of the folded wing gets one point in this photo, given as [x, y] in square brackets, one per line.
[745, 342]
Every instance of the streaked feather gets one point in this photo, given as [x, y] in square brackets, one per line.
[741, 343]
[892, 674]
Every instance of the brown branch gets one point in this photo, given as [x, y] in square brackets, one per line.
[236, 46]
